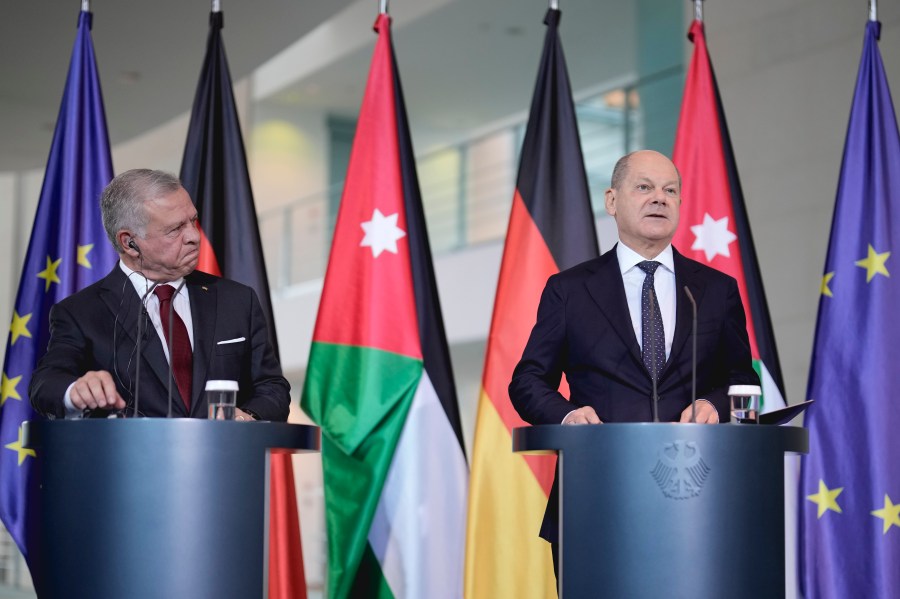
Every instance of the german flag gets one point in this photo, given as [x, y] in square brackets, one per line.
[551, 228]
[214, 172]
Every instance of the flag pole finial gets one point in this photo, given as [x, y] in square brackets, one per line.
[554, 4]
[216, 6]
[873, 10]
[698, 10]
[382, 7]
[85, 5]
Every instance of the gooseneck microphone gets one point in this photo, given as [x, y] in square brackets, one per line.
[687, 292]
[655, 372]
[169, 344]
[142, 315]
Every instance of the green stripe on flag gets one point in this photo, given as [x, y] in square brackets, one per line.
[360, 397]
[370, 581]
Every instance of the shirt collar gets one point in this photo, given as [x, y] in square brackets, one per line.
[628, 258]
[142, 284]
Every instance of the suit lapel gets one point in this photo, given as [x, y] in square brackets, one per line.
[685, 276]
[608, 291]
[203, 313]
[124, 304]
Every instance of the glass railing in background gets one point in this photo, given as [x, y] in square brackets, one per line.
[466, 188]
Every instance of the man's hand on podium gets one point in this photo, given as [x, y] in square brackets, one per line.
[585, 415]
[95, 389]
[242, 416]
[706, 413]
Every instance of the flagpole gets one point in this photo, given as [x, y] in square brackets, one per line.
[85, 5]
[216, 6]
[873, 10]
[383, 7]
[698, 10]
[554, 4]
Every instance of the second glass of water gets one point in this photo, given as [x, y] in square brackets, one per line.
[221, 399]
[744, 403]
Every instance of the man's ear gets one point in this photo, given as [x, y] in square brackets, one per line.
[128, 244]
[610, 197]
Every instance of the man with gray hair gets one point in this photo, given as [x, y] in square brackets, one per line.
[215, 327]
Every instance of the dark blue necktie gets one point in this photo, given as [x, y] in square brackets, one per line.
[653, 338]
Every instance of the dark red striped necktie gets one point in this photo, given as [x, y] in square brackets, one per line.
[182, 356]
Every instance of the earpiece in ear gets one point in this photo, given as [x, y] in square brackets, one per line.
[133, 245]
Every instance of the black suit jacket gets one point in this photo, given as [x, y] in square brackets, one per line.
[84, 326]
[584, 331]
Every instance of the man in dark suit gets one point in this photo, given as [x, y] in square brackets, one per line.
[614, 323]
[218, 330]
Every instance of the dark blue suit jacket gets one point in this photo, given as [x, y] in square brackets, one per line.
[584, 331]
[84, 326]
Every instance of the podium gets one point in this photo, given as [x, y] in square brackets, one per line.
[655, 510]
[149, 508]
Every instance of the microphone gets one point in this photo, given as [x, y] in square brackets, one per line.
[687, 292]
[142, 316]
[169, 344]
[655, 372]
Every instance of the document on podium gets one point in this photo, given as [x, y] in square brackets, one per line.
[782, 415]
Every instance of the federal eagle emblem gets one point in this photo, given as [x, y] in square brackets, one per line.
[680, 471]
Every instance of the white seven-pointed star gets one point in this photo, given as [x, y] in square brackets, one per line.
[713, 237]
[382, 233]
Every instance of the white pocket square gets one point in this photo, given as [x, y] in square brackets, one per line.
[236, 340]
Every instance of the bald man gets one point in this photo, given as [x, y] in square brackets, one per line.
[615, 323]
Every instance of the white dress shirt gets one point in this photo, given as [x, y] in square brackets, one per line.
[663, 282]
[181, 301]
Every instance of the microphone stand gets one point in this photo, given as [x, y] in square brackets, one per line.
[693, 356]
[140, 338]
[169, 345]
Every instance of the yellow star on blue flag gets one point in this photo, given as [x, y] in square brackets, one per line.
[83, 251]
[826, 291]
[874, 263]
[890, 513]
[8, 388]
[21, 450]
[826, 499]
[49, 274]
[19, 327]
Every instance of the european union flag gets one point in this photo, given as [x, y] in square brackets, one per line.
[850, 494]
[68, 250]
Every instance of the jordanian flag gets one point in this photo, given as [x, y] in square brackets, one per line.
[715, 230]
[551, 227]
[714, 226]
[379, 381]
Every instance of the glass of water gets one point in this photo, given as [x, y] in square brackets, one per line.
[744, 403]
[221, 397]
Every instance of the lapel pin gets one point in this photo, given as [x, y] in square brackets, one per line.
[204, 288]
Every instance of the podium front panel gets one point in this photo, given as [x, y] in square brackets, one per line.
[670, 510]
[150, 508]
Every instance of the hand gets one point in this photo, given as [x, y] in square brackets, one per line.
[96, 389]
[706, 413]
[242, 416]
[585, 415]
